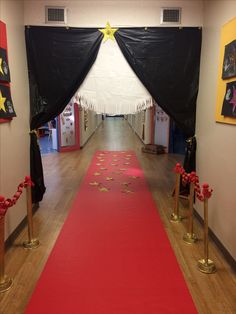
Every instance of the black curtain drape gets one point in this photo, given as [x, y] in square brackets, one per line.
[167, 61]
[58, 62]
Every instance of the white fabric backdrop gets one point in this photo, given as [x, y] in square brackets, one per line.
[111, 86]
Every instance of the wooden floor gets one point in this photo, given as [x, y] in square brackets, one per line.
[215, 293]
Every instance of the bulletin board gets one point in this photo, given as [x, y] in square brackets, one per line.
[7, 111]
[226, 89]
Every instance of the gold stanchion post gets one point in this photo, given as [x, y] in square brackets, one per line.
[189, 237]
[175, 217]
[5, 281]
[206, 265]
[32, 242]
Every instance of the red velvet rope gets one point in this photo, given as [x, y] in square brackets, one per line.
[203, 192]
[6, 203]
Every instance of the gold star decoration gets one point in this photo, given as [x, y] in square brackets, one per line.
[94, 183]
[122, 169]
[103, 189]
[2, 102]
[126, 163]
[108, 32]
[127, 158]
[114, 164]
[97, 174]
[134, 177]
[109, 178]
[126, 183]
[98, 164]
[103, 168]
[101, 154]
[127, 191]
[1, 70]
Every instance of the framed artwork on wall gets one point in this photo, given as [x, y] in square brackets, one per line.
[7, 111]
[229, 62]
[226, 89]
[229, 102]
[4, 68]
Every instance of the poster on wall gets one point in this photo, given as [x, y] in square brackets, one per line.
[226, 88]
[4, 69]
[67, 118]
[229, 63]
[7, 111]
[6, 105]
[162, 128]
[229, 103]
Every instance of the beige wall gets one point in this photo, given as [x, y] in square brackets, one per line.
[137, 120]
[216, 150]
[94, 120]
[117, 12]
[14, 137]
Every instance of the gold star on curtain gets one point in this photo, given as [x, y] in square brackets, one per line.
[108, 32]
[2, 102]
[1, 70]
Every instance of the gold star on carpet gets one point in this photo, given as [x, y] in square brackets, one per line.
[114, 164]
[108, 32]
[134, 177]
[1, 70]
[126, 183]
[94, 183]
[97, 174]
[103, 189]
[98, 164]
[128, 155]
[2, 102]
[103, 168]
[101, 154]
[122, 169]
[126, 163]
[127, 191]
[115, 160]
[109, 178]
[127, 158]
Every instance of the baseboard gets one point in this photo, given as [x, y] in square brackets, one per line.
[229, 258]
[12, 237]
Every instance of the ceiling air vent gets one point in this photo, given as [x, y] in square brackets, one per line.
[56, 15]
[170, 16]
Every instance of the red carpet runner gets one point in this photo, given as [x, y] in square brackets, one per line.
[112, 255]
